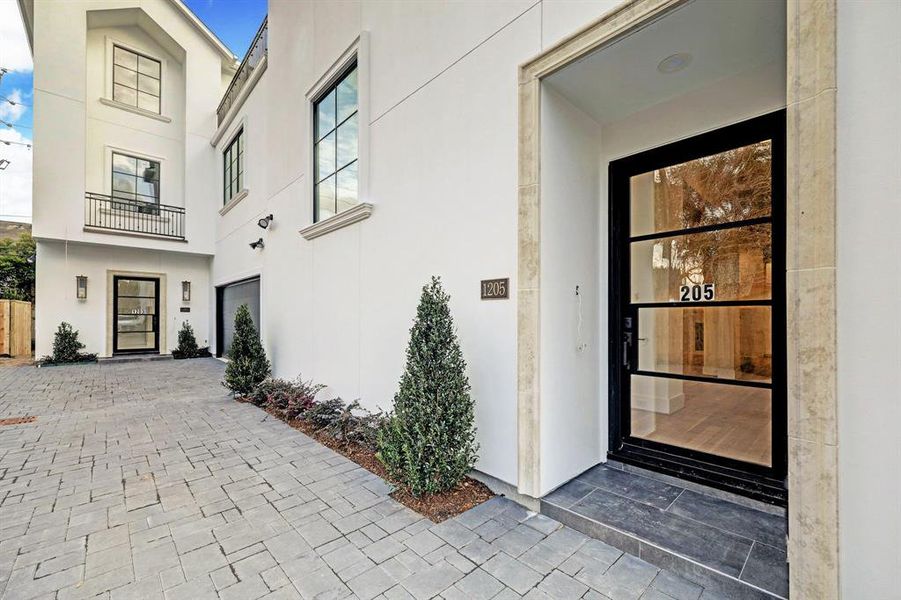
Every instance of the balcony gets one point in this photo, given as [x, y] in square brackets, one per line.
[133, 216]
[257, 52]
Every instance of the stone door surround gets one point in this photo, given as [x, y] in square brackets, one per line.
[810, 272]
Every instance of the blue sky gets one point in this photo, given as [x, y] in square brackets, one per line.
[234, 21]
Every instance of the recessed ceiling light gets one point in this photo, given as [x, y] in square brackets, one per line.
[674, 63]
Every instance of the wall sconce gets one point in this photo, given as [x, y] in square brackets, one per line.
[264, 222]
[81, 287]
[257, 244]
[185, 291]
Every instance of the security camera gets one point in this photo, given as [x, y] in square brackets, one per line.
[257, 244]
[264, 222]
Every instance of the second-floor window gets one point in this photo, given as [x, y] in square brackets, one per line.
[233, 167]
[136, 80]
[135, 178]
[336, 134]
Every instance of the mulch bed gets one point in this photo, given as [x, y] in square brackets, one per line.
[18, 420]
[435, 507]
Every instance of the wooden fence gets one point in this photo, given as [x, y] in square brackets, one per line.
[15, 328]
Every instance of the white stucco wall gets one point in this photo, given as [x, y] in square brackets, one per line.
[55, 299]
[869, 285]
[70, 51]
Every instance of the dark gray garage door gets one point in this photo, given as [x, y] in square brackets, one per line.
[229, 298]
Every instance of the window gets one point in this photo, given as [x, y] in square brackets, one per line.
[335, 147]
[135, 178]
[233, 167]
[136, 80]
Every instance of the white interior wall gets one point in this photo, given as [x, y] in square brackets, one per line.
[869, 285]
[573, 407]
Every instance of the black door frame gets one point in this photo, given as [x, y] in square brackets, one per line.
[220, 292]
[763, 483]
[156, 315]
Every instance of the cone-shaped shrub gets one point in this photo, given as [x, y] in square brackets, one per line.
[66, 345]
[247, 362]
[187, 343]
[428, 442]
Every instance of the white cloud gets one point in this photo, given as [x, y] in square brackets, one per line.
[12, 112]
[14, 52]
[15, 180]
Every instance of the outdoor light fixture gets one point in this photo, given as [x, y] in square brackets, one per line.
[186, 291]
[264, 222]
[81, 287]
[674, 62]
[257, 244]
[3, 164]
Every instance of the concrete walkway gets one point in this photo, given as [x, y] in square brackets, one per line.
[145, 480]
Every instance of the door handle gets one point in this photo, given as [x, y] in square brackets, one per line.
[627, 344]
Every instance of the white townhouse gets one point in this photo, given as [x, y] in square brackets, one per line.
[669, 229]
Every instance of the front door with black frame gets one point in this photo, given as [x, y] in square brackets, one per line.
[136, 314]
[698, 308]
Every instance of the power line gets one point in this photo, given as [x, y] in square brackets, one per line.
[8, 124]
[15, 102]
[8, 142]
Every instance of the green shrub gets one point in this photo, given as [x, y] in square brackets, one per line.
[187, 343]
[428, 442]
[66, 347]
[289, 398]
[247, 362]
[353, 424]
[323, 414]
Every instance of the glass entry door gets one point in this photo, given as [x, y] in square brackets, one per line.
[698, 324]
[136, 314]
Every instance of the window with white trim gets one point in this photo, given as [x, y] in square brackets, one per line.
[233, 167]
[335, 147]
[136, 79]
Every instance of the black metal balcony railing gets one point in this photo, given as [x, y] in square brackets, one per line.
[258, 49]
[135, 216]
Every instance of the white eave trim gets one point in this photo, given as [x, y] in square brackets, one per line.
[204, 30]
[350, 216]
[239, 101]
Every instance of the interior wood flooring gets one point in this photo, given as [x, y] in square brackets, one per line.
[725, 420]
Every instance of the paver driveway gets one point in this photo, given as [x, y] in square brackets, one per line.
[145, 480]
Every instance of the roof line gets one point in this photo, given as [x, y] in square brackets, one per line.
[201, 26]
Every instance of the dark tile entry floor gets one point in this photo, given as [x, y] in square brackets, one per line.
[733, 546]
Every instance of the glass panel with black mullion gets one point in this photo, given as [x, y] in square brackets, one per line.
[233, 164]
[701, 290]
[136, 80]
[135, 179]
[336, 148]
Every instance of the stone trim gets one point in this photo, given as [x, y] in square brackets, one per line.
[810, 277]
[342, 219]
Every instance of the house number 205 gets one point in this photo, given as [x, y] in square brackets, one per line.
[697, 293]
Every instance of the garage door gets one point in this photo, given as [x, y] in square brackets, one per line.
[229, 298]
